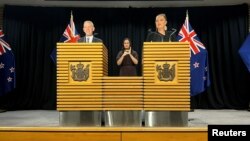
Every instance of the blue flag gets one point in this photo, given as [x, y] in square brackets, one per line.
[70, 35]
[244, 52]
[199, 71]
[7, 66]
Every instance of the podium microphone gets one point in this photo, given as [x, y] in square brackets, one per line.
[156, 33]
[174, 30]
[149, 30]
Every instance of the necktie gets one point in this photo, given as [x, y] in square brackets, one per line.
[87, 40]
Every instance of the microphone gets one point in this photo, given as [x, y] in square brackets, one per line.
[174, 30]
[95, 34]
[150, 30]
[156, 33]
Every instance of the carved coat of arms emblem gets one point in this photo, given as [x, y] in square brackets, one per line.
[166, 72]
[79, 73]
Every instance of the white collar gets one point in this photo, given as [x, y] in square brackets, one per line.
[90, 38]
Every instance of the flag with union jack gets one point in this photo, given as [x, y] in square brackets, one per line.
[199, 71]
[7, 66]
[70, 35]
[244, 52]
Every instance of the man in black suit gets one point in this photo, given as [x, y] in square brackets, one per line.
[88, 29]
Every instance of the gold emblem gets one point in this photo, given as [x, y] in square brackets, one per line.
[166, 72]
[80, 73]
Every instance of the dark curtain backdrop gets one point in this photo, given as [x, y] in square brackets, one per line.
[33, 32]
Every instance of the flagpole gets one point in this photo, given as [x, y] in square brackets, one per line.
[187, 15]
[72, 27]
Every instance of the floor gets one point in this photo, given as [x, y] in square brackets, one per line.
[197, 118]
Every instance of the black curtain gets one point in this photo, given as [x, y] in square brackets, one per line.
[33, 32]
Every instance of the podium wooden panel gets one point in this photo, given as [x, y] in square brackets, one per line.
[166, 72]
[92, 59]
[122, 93]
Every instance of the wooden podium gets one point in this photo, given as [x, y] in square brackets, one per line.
[83, 84]
[80, 69]
[166, 72]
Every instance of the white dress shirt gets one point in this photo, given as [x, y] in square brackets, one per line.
[89, 39]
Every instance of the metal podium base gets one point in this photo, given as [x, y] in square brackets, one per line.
[80, 118]
[166, 118]
[123, 118]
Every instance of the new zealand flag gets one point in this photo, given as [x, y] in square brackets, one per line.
[245, 52]
[70, 35]
[199, 59]
[7, 66]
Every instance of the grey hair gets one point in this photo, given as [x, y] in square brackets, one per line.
[90, 22]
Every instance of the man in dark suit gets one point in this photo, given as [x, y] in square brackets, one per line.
[88, 29]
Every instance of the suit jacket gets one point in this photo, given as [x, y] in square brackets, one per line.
[95, 40]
